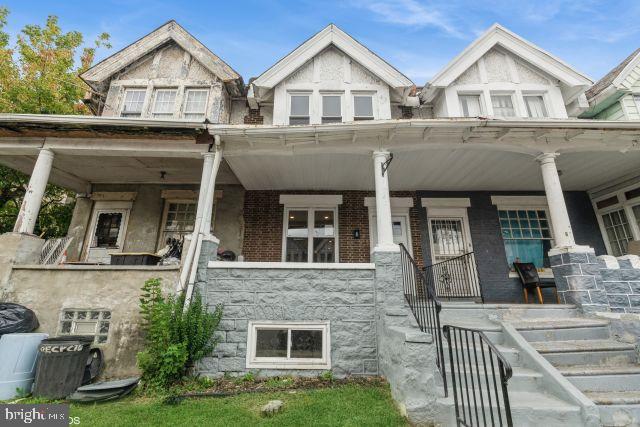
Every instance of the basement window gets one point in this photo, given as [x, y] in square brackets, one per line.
[195, 104]
[299, 109]
[133, 102]
[288, 345]
[88, 322]
[164, 102]
[331, 109]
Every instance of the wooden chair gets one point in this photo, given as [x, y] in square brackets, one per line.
[528, 274]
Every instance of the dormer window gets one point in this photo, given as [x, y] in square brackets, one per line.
[299, 109]
[195, 104]
[363, 107]
[470, 105]
[535, 106]
[164, 103]
[133, 102]
[331, 109]
[502, 106]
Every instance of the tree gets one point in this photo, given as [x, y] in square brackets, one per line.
[40, 75]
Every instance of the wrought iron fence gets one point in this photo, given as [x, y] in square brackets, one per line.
[424, 305]
[479, 374]
[455, 278]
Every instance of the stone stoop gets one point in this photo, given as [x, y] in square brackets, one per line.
[586, 353]
[531, 404]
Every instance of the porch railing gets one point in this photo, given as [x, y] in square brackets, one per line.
[455, 278]
[53, 250]
[479, 374]
[424, 305]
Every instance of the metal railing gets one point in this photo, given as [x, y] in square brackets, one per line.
[479, 374]
[53, 250]
[424, 305]
[455, 278]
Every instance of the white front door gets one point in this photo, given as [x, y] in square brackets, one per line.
[108, 228]
[450, 239]
[400, 228]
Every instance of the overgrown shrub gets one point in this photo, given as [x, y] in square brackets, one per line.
[175, 337]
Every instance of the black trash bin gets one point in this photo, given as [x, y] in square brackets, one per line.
[61, 365]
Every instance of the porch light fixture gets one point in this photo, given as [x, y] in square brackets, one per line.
[356, 233]
[163, 174]
[386, 164]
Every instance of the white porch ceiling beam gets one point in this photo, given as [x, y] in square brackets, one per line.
[57, 176]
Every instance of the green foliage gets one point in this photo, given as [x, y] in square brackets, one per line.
[175, 337]
[40, 75]
[326, 376]
[249, 377]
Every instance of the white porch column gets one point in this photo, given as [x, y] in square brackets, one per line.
[562, 232]
[383, 205]
[208, 201]
[28, 215]
[207, 165]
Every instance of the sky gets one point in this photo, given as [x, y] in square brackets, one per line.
[418, 37]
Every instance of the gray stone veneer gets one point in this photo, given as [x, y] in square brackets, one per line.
[621, 279]
[578, 279]
[345, 297]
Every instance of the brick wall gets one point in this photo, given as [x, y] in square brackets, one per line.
[253, 117]
[263, 216]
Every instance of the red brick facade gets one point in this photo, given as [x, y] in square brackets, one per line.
[263, 217]
[253, 117]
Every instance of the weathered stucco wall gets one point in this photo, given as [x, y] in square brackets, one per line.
[145, 220]
[344, 297]
[78, 226]
[48, 291]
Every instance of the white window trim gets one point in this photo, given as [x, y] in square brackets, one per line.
[186, 96]
[624, 204]
[124, 97]
[324, 93]
[514, 103]
[445, 202]
[311, 200]
[503, 203]
[310, 227]
[107, 207]
[309, 94]
[545, 101]
[254, 362]
[155, 97]
[374, 103]
[482, 101]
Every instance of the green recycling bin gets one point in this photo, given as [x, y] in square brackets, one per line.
[61, 365]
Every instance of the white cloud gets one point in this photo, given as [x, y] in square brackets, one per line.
[410, 13]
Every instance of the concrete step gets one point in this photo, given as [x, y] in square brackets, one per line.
[577, 328]
[586, 352]
[523, 379]
[510, 354]
[508, 311]
[605, 378]
[614, 397]
[527, 409]
[617, 408]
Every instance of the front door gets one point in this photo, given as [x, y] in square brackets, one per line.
[108, 229]
[453, 270]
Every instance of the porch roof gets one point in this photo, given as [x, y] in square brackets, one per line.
[434, 154]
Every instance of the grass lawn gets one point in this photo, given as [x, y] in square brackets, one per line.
[347, 405]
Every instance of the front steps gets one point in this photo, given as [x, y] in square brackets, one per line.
[584, 351]
[531, 403]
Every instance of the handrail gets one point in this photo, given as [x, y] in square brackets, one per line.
[468, 382]
[455, 277]
[424, 305]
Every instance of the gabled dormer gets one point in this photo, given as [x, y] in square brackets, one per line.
[330, 78]
[502, 75]
[167, 74]
[616, 96]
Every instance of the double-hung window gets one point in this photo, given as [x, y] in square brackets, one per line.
[470, 105]
[195, 104]
[133, 102]
[535, 106]
[619, 217]
[331, 108]
[164, 103]
[288, 345]
[310, 235]
[502, 105]
[363, 107]
[179, 219]
[299, 109]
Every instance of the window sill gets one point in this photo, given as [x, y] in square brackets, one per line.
[547, 274]
[288, 364]
[294, 265]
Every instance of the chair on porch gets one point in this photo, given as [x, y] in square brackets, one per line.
[529, 278]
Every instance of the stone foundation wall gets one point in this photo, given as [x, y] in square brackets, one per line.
[344, 297]
[621, 279]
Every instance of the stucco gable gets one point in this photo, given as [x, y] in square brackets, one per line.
[171, 32]
[573, 82]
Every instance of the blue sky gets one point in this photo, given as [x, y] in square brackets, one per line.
[416, 36]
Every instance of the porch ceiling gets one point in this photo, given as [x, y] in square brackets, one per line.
[460, 169]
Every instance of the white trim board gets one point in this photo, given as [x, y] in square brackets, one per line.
[519, 201]
[310, 200]
[294, 265]
[445, 202]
